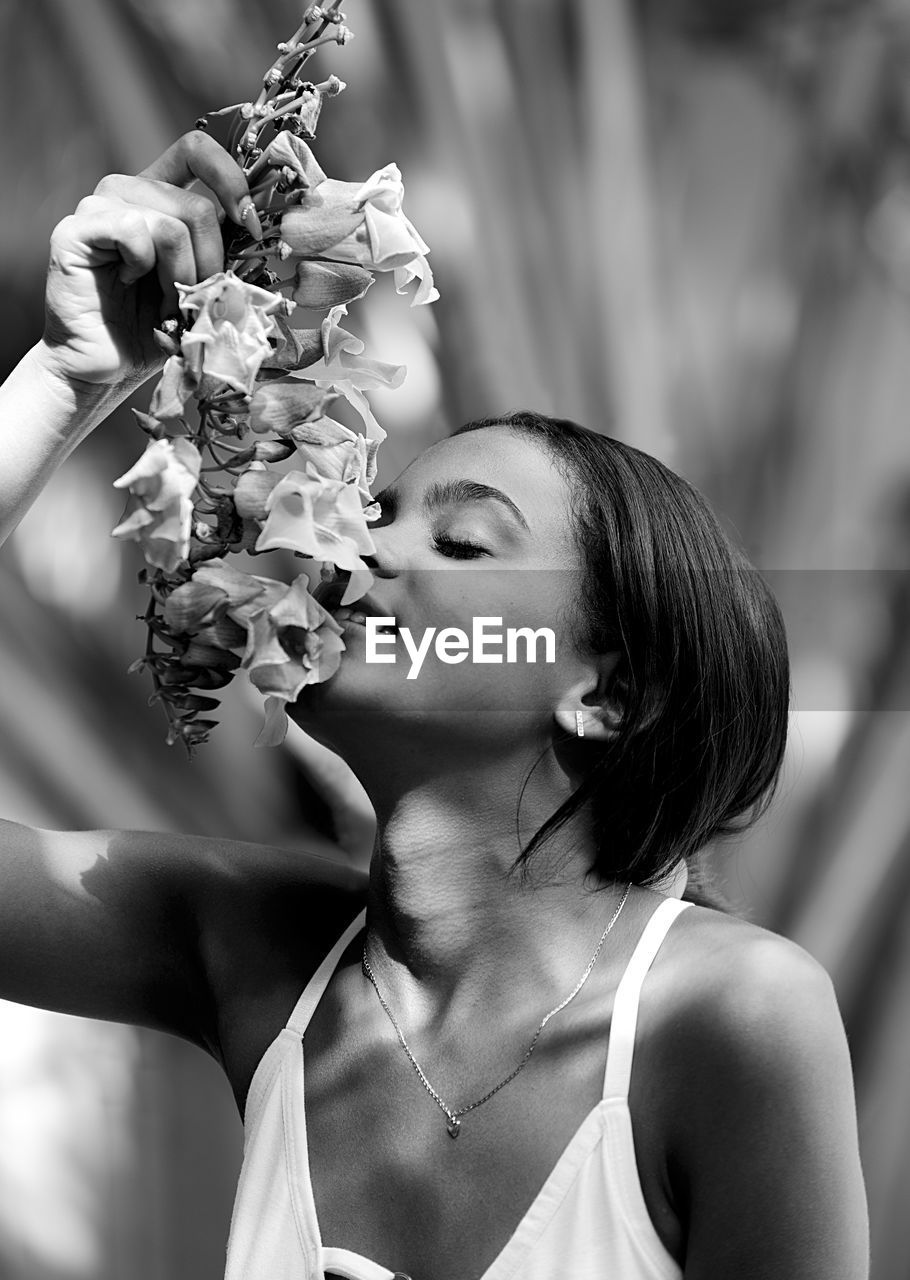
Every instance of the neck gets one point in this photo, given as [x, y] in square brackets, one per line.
[451, 923]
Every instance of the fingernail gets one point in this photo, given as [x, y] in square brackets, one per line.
[250, 218]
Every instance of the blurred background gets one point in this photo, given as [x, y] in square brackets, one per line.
[685, 223]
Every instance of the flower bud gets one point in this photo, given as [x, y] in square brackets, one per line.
[223, 634]
[151, 426]
[320, 285]
[206, 655]
[165, 343]
[252, 491]
[309, 112]
[273, 450]
[191, 702]
[191, 605]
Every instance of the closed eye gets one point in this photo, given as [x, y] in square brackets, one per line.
[458, 548]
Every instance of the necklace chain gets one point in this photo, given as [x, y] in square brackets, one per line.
[453, 1114]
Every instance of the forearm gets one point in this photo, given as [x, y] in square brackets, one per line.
[43, 417]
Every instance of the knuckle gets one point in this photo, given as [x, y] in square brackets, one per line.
[110, 184]
[132, 223]
[63, 230]
[172, 235]
[200, 212]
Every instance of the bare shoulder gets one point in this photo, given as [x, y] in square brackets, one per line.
[737, 987]
[730, 948]
[736, 1004]
[749, 1069]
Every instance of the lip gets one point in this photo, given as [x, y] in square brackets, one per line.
[328, 595]
[356, 614]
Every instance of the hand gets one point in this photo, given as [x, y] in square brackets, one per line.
[115, 261]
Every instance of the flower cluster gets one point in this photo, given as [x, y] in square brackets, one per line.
[243, 455]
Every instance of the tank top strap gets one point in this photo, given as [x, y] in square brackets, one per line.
[313, 991]
[625, 1006]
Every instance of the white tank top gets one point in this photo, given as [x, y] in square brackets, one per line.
[589, 1220]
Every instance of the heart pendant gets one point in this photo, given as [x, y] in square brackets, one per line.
[453, 1124]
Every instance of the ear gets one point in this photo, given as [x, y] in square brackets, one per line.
[597, 694]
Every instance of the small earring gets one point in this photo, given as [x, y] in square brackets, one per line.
[579, 724]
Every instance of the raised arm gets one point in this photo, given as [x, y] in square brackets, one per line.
[105, 924]
[179, 933]
[172, 932]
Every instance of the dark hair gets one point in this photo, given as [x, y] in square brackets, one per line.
[703, 677]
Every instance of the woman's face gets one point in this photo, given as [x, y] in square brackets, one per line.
[477, 527]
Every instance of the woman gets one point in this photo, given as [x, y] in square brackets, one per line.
[688, 1110]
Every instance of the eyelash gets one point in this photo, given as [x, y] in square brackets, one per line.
[474, 549]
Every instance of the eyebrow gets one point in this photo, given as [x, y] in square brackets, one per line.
[442, 492]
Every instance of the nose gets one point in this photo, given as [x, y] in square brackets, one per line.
[388, 558]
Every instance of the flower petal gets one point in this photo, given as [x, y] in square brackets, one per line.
[384, 188]
[316, 517]
[336, 453]
[229, 338]
[287, 151]
[358, 585]
[263, 646]
[241, 589]
[284, 406]
[325, 216]
[159, 510]
[275, 726]
[294, 348]
[174, 388]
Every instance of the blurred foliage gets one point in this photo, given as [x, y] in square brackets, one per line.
[685, 222]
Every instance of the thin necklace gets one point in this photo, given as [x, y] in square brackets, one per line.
[453, 1114]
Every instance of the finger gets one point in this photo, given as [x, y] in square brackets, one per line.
[195, 210]
[173, 259]
[197, 155]
[101, 234]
